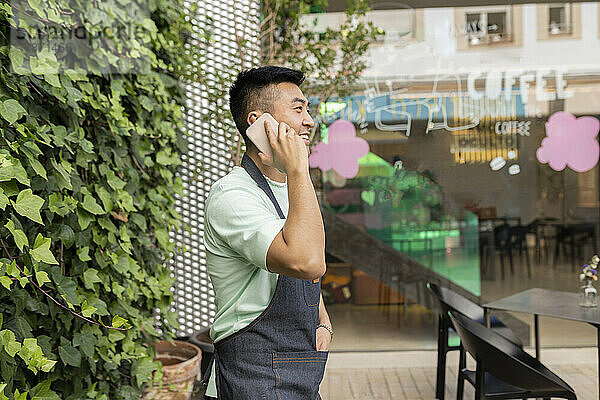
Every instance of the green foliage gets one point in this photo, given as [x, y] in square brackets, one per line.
[90, 137]
[332, 60]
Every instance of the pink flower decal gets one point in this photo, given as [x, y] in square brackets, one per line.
[341, 152]
[570, 142]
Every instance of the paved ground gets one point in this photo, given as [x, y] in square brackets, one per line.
[411, 374]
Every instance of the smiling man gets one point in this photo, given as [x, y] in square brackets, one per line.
[265, 246]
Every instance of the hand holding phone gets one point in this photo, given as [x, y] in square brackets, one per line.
[257, 134]
[288, 150]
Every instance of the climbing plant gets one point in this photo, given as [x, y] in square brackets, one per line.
[90, 138]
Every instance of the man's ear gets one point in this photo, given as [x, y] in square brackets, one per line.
[253, 116]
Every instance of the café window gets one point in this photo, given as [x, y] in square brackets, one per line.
[559, 19]
[398, 24]
[488, 27]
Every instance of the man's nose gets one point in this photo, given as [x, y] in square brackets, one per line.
[308, 121]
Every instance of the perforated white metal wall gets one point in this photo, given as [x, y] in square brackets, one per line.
[208, 157]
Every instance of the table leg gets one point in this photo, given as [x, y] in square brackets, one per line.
[536, 331]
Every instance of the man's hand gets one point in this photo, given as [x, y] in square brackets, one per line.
[289, 151]
[323, 339]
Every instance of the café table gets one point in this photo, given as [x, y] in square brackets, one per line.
[550, 303]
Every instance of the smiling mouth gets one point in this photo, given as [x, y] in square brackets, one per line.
[305, 136]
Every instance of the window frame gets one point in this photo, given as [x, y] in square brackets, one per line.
[543, 22]
[513, 32]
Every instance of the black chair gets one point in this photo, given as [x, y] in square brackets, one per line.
[495, 239]
[448, 300]
[502, 241]
[573, 238]
[504, 370]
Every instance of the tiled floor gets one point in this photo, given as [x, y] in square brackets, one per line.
[410, 375]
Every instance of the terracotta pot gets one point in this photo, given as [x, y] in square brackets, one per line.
[181, 366]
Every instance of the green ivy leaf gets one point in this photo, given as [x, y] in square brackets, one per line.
[89, 204]
[29, 205]
[83, 254]
[16, 60]
[42, 391]
[13, 170]
[66, 286]
[115, 336]
[3, 200]
[38, 167]
[10, 188]
[164, 157]
[163, 238]
[8, 340]
[41, 250]
[118, 321]
[66, 235]
[5, 281]
[113, 181]
[11, 110]
[61, 205]
[64, 176]
[146, 103]
[69, 355]
[86, 342]
[41, 277]
[36, 6]
[87, 310]
[18, 235]
[84, 219]
[143, 369]
[44, 63]
[105, 197]
[23, 326]
[47, 365]
[90, 276]
[12, 270]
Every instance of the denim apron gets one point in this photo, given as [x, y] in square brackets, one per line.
[274, 357]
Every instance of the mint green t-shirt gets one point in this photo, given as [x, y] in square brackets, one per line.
[240, 225]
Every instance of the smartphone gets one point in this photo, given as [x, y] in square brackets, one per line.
[256, 132]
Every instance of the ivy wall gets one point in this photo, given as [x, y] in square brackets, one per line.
[90, 140]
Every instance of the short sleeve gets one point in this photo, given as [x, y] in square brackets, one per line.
[244, 222]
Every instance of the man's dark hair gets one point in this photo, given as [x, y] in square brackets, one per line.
[254, 89]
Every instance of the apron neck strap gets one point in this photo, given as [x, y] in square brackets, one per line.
[261, 181]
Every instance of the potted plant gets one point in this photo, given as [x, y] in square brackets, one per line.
[588, 295]
[180, 368]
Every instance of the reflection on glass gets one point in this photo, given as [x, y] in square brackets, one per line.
[409, 211]
[482, 126]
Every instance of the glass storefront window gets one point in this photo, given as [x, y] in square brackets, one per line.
[470, 146]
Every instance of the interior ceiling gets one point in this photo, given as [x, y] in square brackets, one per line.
[340, 5]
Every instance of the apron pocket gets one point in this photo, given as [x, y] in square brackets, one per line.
[298, 374]
[312, 293]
